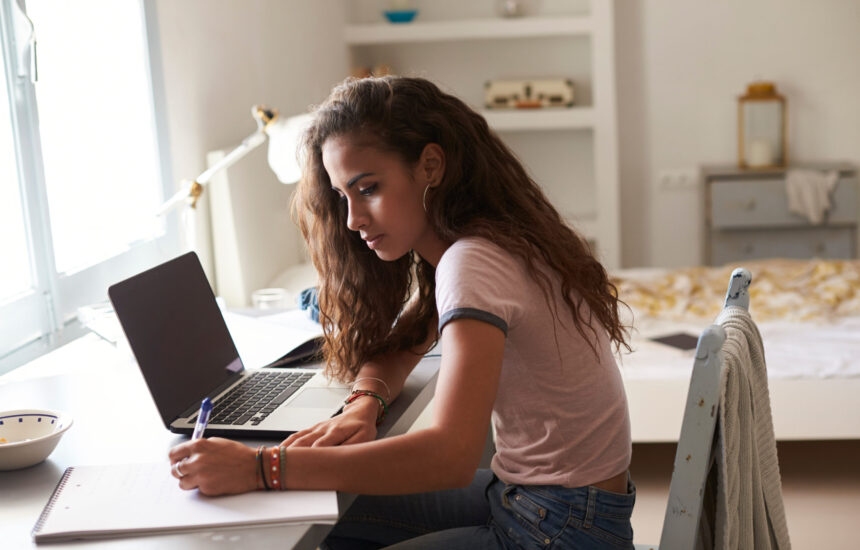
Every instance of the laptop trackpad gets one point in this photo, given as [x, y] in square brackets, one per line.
[326, 398]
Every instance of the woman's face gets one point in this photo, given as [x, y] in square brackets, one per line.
[383, 196]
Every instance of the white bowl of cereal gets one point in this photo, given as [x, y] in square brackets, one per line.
[28, 436]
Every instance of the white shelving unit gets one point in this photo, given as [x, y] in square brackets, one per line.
[572, 153]
[577, 118]
[468, 29]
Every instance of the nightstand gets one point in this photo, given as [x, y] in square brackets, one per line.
[747, 217]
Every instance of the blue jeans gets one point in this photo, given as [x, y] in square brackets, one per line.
[489, 514]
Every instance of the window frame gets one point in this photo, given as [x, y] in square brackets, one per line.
[52, 302]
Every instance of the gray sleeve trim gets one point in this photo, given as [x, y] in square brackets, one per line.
[472, 313]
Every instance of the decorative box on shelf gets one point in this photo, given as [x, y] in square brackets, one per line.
[528, 93]
[747, 216]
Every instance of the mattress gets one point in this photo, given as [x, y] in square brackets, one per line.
[808, 313]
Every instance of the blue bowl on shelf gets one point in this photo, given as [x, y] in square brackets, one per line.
[400, 16]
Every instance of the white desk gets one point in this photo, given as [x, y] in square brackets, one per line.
[115, 421]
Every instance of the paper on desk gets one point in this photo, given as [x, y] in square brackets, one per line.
[130, 499]
[261, 340]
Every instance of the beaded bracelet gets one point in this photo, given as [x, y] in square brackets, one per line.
[360, 393]
[273, 465]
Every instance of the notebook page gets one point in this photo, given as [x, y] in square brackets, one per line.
[261, 340]
[145, 497]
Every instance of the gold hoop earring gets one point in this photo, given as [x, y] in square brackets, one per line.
[424, 198]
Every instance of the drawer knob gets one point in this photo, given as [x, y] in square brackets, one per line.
[820, 248]
[749, 205]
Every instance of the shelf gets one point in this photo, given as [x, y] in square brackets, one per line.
[540, 119]
[468, 29]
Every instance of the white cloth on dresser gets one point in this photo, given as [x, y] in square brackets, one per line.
[809, 192]
[749, 509]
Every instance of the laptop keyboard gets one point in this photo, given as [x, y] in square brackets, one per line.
[255, 398]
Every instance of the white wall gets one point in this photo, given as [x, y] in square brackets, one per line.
[220, 57]
[680, 66]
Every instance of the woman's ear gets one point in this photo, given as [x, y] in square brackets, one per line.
[431, 164]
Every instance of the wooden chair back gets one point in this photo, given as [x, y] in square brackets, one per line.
[693, 458]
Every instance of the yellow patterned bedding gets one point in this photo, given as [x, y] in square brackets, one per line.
[784, 290]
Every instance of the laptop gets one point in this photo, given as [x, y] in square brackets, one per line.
[185, 352]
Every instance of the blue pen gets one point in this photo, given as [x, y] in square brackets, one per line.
[202, 418]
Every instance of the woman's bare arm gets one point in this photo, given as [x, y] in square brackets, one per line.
[384, 375]
[445, 455]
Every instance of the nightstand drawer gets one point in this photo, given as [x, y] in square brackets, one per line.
[827, 243]
[764, 203]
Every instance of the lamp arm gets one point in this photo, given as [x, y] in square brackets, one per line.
[191, 191]
[248, 144]
[179, 196]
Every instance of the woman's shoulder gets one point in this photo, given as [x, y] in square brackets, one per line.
[478, 256]
[474, 248]
[477, 275]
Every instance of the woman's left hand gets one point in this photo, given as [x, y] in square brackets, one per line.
[216, 466]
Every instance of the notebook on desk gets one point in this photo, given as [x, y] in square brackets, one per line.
[137, 499]
[185, 352]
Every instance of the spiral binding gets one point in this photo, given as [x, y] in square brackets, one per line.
[52, 501]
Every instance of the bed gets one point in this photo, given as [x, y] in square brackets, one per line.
[808, 313]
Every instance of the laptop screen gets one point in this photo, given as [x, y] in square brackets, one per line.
[176, 332]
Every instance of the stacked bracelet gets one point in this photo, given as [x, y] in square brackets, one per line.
[381, 381]
[360, 393]
[272, 468]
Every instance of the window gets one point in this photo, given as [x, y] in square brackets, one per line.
[15, 278]
[82, 163]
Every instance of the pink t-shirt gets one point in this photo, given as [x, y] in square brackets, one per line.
[560, 416]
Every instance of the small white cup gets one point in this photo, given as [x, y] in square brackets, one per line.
[270, 298]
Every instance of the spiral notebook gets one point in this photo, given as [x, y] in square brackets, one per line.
[138, 499]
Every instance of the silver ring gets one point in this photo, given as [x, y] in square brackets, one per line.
[176, 468]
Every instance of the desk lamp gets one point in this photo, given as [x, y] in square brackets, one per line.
[283, 134]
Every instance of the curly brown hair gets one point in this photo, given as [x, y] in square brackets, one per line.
[484, 192]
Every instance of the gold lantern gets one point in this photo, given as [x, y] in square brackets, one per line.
[762, 127]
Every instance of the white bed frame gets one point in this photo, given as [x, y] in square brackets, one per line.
[803, 409]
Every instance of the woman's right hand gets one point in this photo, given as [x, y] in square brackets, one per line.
[356, 424]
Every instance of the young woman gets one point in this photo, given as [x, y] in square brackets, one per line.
[425, 228]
